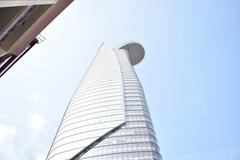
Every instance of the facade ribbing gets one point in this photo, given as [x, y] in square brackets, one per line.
[108, 117]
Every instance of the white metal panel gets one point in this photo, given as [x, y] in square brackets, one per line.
[96, 108]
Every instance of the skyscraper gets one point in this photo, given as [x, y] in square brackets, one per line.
[107, 117]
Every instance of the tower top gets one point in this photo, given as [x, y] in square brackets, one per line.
[135, 50]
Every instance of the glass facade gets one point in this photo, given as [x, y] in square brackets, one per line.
[109, 96]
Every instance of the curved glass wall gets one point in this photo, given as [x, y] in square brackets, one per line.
[109, 96]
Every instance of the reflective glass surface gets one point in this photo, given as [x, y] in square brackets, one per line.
[110, 94]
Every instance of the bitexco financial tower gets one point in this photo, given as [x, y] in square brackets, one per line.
[107, 117]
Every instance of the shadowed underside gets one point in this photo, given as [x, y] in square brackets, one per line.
[135, 50]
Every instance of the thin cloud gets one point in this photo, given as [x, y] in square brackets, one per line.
[40, 156]
[194, 102]
[9, 152]
[6, 131]
[36, 121]
[2, 116]
[38, 98]
[7, 135]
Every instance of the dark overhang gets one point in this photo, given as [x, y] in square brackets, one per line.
[22, 23]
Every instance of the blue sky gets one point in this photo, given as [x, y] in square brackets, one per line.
[190, 75]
